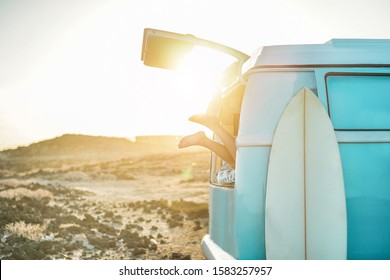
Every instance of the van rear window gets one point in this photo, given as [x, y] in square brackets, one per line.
[359, 101]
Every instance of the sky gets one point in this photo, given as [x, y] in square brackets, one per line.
[73, 66]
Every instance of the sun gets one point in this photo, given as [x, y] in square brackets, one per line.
[188, 90]
[199, 75]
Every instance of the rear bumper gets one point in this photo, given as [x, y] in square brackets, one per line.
[212, 251]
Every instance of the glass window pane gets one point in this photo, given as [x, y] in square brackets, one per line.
[359, 102]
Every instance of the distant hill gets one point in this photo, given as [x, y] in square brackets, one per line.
[79, 145]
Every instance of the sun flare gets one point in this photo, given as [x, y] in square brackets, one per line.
[199, 75]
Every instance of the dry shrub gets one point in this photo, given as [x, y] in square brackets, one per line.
[30, 231]
[19, 193]
[11, 183]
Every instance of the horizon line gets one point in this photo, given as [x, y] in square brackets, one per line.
[130, 138]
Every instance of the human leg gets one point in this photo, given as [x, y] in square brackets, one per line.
[200, 139]
[213, 123]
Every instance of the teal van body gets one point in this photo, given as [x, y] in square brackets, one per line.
[352, 80]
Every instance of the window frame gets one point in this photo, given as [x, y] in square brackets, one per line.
[236, 92]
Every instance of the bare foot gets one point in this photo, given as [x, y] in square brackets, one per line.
[192, 140]
[206, 120]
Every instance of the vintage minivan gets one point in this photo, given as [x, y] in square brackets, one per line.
[351, 80]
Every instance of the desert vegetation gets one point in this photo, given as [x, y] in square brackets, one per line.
[81, 197]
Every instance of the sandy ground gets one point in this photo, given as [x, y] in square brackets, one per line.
[137, 207]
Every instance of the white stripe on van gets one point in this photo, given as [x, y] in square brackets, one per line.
[254, 140]
[363, 136]
[342, 137]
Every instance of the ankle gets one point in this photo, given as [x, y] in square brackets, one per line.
[201, 138]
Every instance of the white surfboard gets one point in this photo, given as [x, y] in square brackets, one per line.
[305, 214]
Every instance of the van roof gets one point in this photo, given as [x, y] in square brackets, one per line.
[335, 52]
